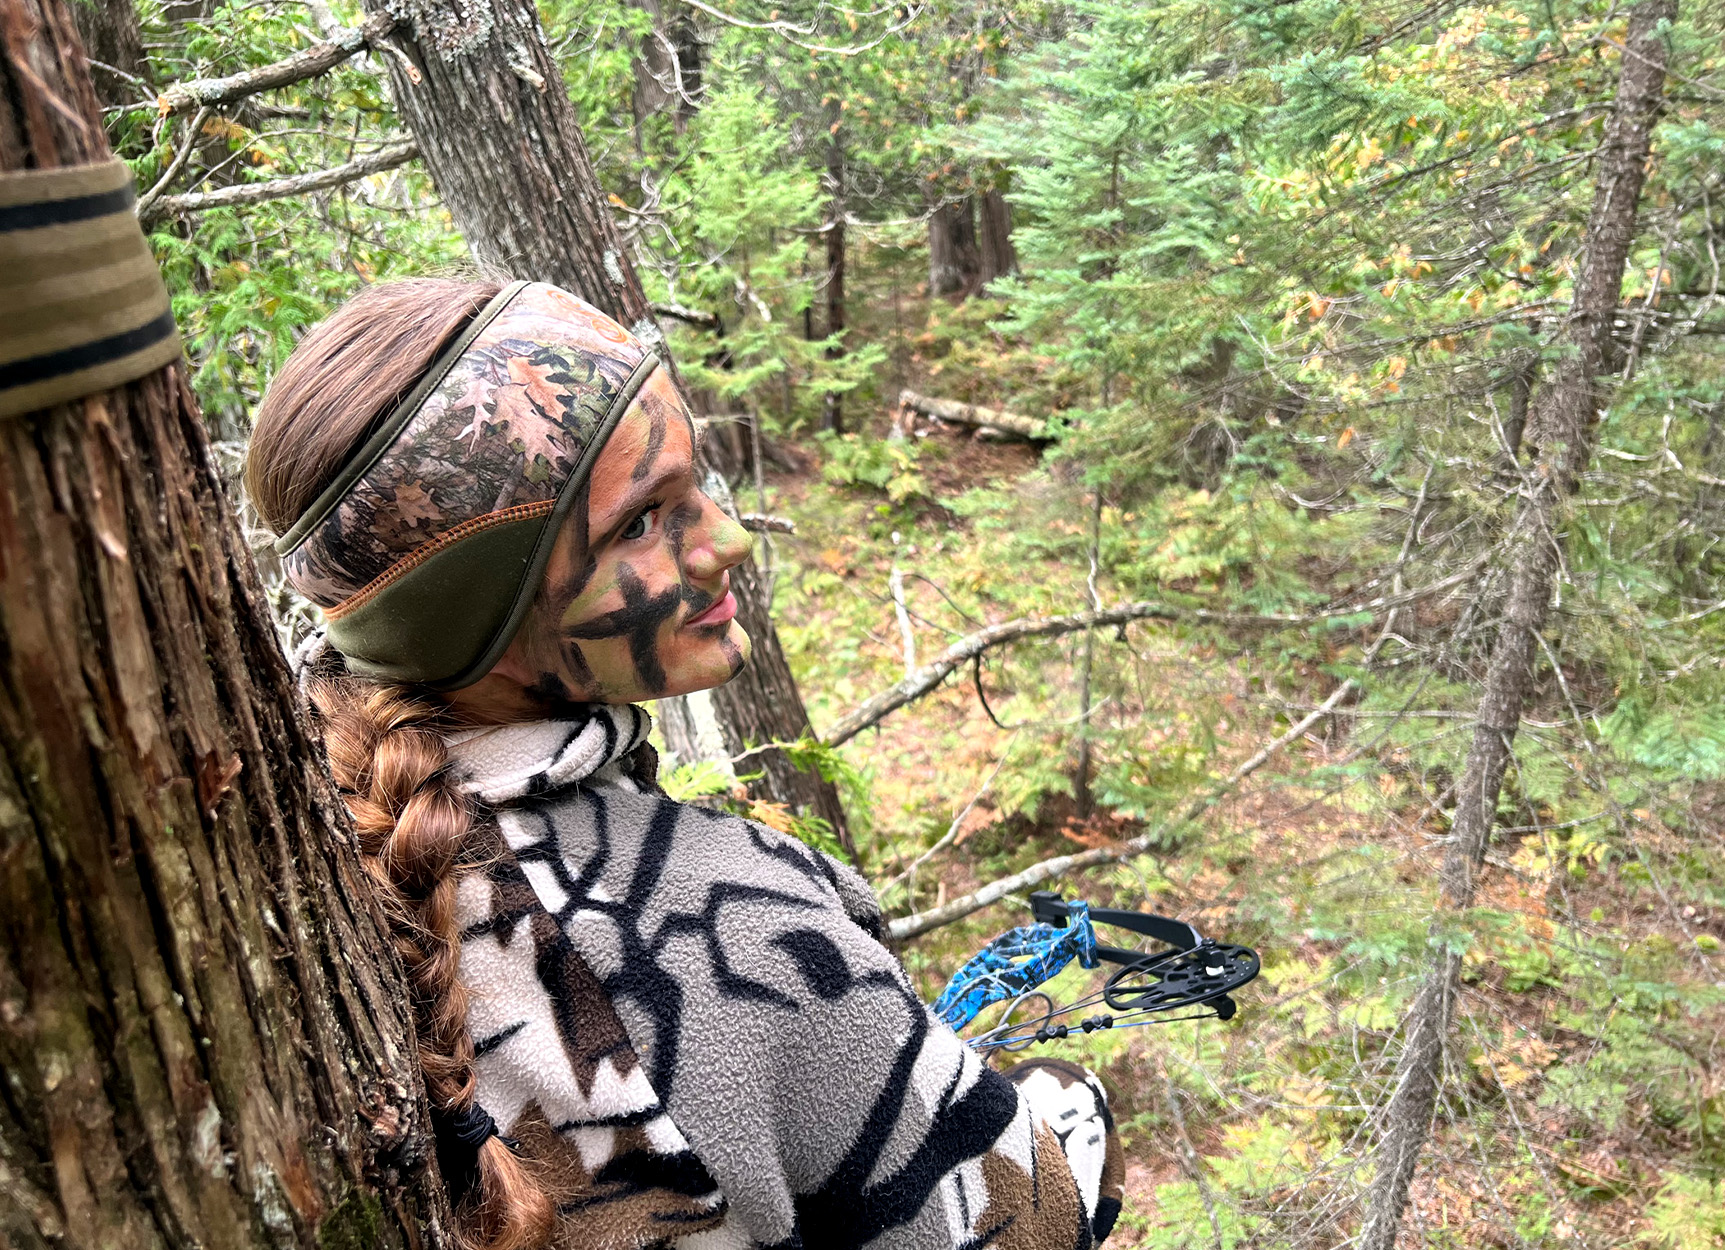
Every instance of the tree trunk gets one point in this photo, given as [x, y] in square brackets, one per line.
[667, 69]
[204, 1034]
[994, 239]
[111, 37]
[832, 410]
[1561, 425]
[953, 257]
[487, 105]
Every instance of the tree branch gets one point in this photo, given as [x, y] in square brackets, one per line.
[767, 523]
[910, 926]
[315, 60]
[928, 677]
[690, 316]
[389, 157]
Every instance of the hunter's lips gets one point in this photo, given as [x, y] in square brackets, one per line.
[718, 614]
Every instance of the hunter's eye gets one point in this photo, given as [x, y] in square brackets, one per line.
[641, 526]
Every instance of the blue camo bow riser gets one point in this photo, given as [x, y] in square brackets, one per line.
[1015, 963]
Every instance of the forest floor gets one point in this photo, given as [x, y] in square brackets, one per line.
[1250, 1132]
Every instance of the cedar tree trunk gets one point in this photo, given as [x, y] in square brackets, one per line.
[994, 238]
[1561, 425]
[114, 42]
[488, 106]
[204, 1036]
[953, 259]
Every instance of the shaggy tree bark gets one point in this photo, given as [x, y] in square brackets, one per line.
[953, 257]
[114, 42]
[204, 1035]
[1560, 429]
[994, 238]
[488, 107]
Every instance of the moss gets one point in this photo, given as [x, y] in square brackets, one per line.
[355, 1224]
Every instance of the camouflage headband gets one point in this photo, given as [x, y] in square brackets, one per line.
[426, 552]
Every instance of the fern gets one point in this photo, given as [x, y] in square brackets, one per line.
[1686, 742]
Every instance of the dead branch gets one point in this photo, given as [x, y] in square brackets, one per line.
[767, 523]
[926, 678]
[309, 63]
[690, 316]
[1007, 423]
[389, 157]
[929, 676]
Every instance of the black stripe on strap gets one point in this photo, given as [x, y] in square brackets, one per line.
[86, 355]
[62, 212]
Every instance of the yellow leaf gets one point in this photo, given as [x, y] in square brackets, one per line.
[772, 815]
[616, 200]
[1346, 437]
[223, 128]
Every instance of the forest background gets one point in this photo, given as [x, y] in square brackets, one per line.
[1273, 288]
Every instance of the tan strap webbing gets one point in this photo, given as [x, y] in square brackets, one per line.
[82, 305]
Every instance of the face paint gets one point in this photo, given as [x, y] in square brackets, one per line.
[638, 622]
[655, 441]
[619, 616]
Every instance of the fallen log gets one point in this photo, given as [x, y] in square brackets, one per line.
[1008, 423]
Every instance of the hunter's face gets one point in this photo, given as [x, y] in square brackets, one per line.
[636, 602]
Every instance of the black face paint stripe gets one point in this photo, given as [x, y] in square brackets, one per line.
[677, 528]
[655, 443]
[638, 621]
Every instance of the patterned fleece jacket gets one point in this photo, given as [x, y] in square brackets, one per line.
[688, 1022]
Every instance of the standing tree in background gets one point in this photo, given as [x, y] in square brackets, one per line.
[832, 410]
[205, 1037]
[1560, 429]
[487, 104]
[114, 44]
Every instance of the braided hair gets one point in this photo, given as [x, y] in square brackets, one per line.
[385, 742]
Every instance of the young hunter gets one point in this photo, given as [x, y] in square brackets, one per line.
[641, 1023]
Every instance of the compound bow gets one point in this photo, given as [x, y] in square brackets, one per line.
[1189, 971]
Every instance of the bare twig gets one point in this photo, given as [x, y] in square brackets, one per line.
[951, 835]
[153, 196]
[789, 31]
[907, 636]
[395, 154]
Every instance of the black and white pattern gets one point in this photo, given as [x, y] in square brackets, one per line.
[698, 1004]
